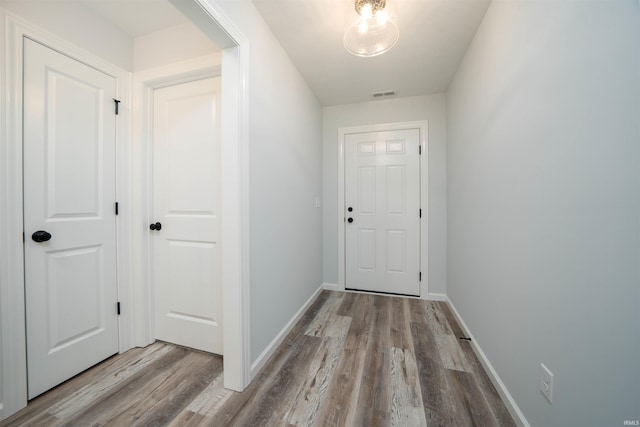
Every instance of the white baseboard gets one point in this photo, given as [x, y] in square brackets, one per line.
[437, 297]
[510, 403]
[330, 287]
[263, 358]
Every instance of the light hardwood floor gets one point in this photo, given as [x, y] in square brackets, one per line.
[352, 360]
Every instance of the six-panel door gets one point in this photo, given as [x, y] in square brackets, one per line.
[382, 211]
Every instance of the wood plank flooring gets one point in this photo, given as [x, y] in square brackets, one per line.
[352, 360]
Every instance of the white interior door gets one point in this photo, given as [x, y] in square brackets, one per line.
[186, 189]
[69, 193]
[382, 211]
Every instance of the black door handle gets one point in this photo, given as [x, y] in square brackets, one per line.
[40, 236]
[350, 209]
[350, 219]
[156, 226]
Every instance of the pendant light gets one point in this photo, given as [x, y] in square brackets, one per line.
[373, 32]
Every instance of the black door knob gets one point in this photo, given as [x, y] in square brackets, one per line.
[350, 209]
[156, 226]
[350, 219]
[40, 236]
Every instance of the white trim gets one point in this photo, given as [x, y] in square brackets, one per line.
[263, 358]
[331, 287]
[235, 201]
[235, 218]
[423, 127]
[12, 330]
[124, 223]
[509, 401]
[436, 297]
[13, 373]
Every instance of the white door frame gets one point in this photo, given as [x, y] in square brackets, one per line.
[234, 195]
[423, 127]
[234, 203]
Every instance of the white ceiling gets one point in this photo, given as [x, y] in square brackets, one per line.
[137, 17]
[434, 36]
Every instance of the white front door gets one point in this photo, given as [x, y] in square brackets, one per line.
[186, 194]
[69, 199]
[382, 211]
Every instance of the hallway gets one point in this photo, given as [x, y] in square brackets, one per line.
[352, 360]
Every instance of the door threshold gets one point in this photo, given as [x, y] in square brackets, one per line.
[391, 294]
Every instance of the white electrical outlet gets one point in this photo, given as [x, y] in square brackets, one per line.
[546, 383]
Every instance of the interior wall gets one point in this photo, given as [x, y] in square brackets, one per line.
[285, 178]
[544, 204]
[428, 107]
[89, 30]
[173, 44]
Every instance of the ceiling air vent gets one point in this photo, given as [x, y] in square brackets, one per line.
[384, 94]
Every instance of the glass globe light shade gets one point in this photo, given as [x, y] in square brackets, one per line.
[371, 36]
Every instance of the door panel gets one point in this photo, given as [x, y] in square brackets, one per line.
[366, 249]
[382, 186]
[69, 191]
[396, 190]
[367, 190]
[396, 251]
[188, 296]
[65, 267]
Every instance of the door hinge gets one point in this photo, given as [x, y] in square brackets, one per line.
[117, 102]
[23, 237]
[420, 213]
[419, 149]
[420, 276]
[118, 307]
[116, 208]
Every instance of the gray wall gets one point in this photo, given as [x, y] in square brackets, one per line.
[431, 108]
[544, 204]
[285, 178]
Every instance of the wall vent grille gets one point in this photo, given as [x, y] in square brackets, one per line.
[383, 94]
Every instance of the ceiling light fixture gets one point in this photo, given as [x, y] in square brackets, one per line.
[373, 32]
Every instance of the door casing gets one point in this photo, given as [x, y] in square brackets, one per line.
[422, 126]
